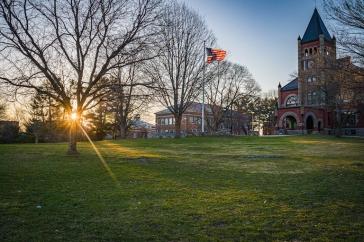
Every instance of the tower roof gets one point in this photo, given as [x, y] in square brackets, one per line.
[315, 28]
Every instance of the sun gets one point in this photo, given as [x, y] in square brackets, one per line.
[74, 116]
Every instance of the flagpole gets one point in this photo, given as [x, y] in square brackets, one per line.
[203, 89]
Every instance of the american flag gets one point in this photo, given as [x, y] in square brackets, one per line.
[215, 54]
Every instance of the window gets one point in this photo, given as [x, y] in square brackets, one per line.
[195, 119]
[191, 119]
[349, 119]
[306, 52]
[315, 50]
[314, 98]
[305, 65]
[309, 98]
[311, 79]
[321, 97]
[291, 101]
[310, 51]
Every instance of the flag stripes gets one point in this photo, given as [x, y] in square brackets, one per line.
[215, 54]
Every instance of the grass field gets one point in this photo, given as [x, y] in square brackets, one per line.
[193, 189]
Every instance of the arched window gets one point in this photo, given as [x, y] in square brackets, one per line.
[291, 101]
[306, 52]
[311, 79]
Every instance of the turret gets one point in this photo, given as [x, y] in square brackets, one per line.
[279, 94]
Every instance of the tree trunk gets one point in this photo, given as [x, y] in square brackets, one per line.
[72, 144]
[177, 126]
[122, 132]
[123, 128]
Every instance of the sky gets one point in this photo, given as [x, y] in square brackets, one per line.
[260, 34]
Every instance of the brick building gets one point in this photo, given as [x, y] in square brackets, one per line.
[233, 122]
[141, 129]
[301, 104]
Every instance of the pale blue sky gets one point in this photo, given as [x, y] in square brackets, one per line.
[260, 34]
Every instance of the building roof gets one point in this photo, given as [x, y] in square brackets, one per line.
[196, 108]
[292, 85]
[315, 28]
[164, 111]
[193, 108]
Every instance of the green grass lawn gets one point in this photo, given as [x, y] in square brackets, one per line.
[243, 188]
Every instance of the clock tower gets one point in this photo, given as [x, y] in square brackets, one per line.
[314, 50]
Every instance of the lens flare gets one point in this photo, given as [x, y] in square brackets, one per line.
[74, 116]
[103, 161]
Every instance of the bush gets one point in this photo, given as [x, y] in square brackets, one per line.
[9, 132]
[25, 138]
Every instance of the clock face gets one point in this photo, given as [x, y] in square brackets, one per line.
[291, 101]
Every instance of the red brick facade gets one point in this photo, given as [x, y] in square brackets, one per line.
[233, 123]
[301, 108]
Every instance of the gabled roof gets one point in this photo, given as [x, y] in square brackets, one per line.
[315, 28]
[193, 108]
[197, 107]
[292, 85]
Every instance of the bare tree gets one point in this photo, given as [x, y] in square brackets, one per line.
[349, 18]
[130, 94]
[2, 110]
[230, 82]
[72, 45]
[178, 71]
[342, 90]
[263, 111]
[336, 85]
